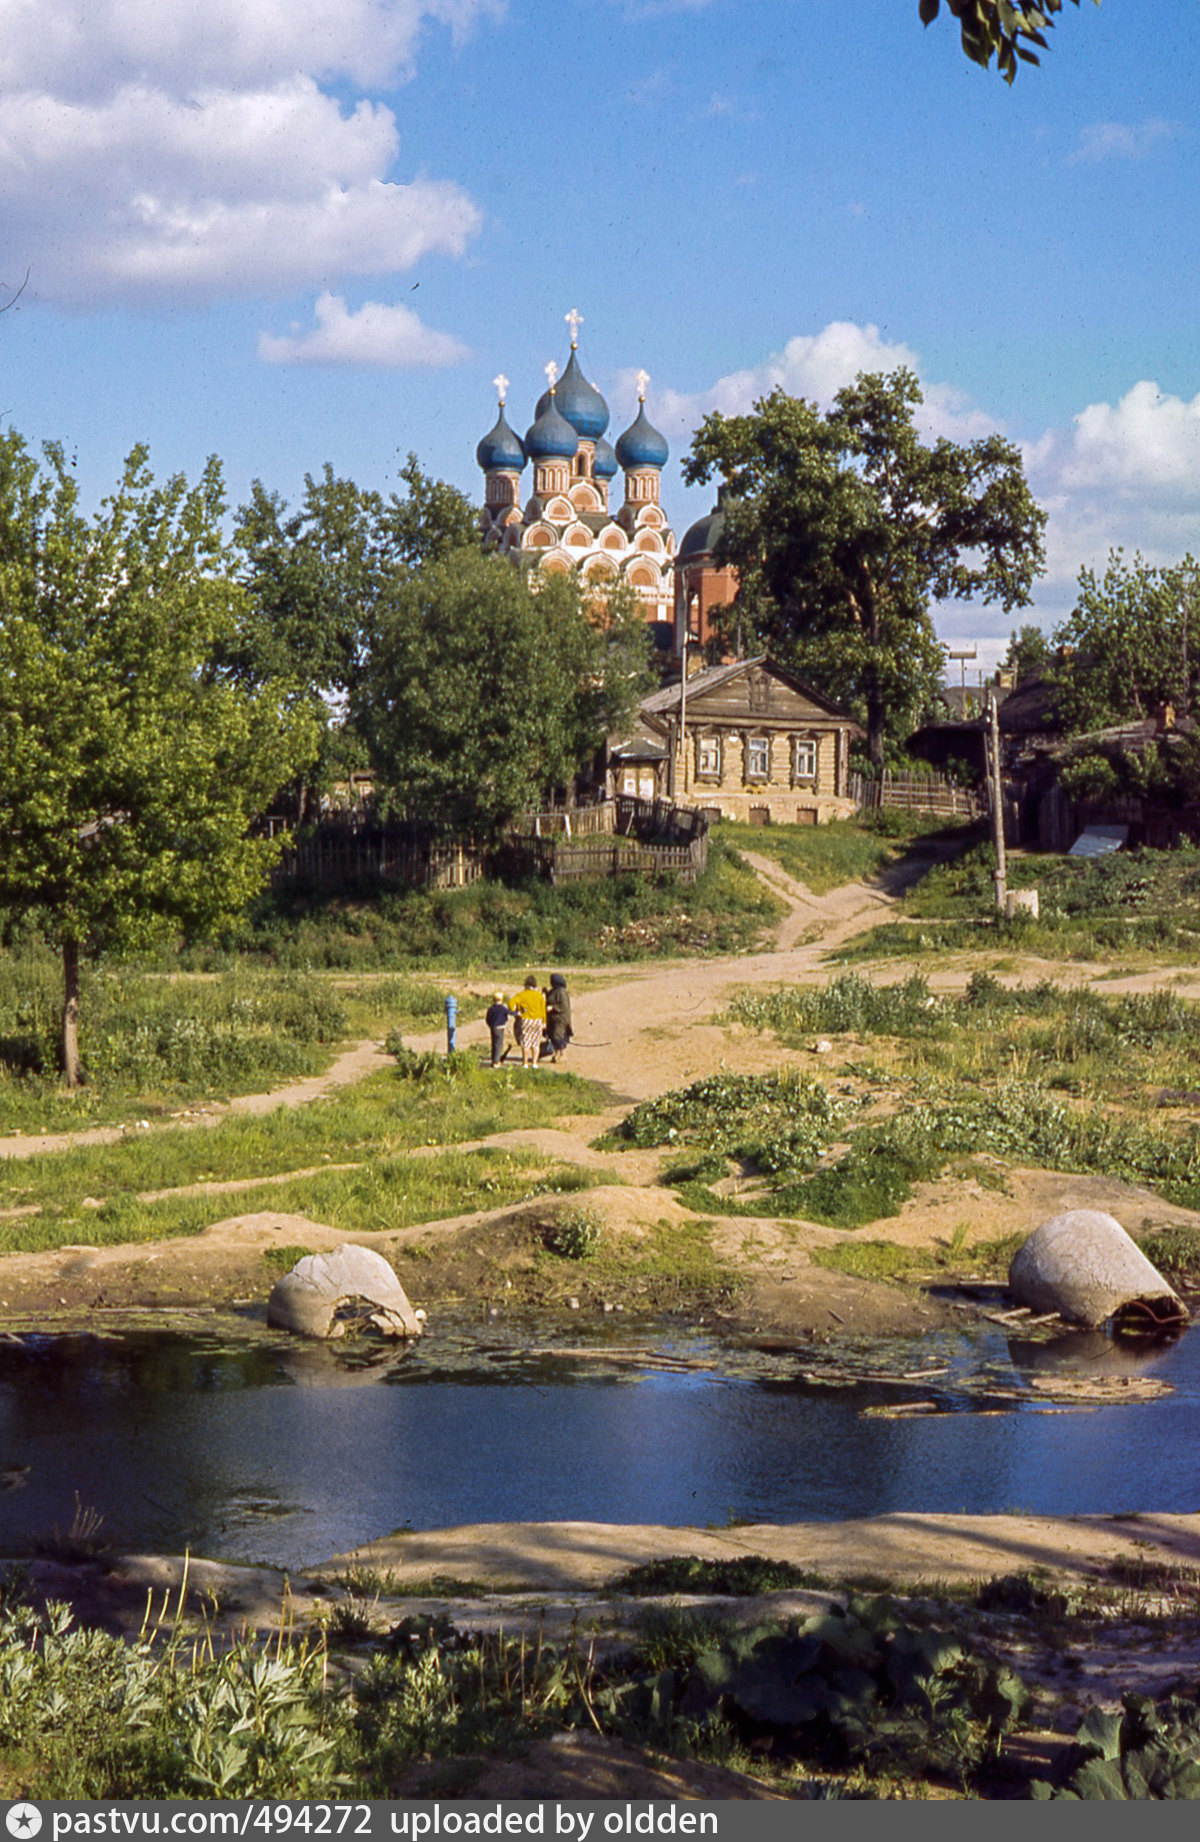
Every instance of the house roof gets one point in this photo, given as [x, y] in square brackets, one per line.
[666, 702]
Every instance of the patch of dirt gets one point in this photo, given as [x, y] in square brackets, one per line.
[576, 1765]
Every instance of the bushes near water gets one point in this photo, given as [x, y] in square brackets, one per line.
[85, 1716]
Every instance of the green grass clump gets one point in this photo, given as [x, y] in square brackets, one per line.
[777, 1122]
[573, 1234]
[1175, 1251]
[283, 1259]
[870, 1259]
[849, 1005]
[669, 1266]
[743, 1576]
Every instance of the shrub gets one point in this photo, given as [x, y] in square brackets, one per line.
[574, 1234]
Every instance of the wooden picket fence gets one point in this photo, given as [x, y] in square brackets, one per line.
[333, 855]
[620, 837]
[629, 837]
[916, 793]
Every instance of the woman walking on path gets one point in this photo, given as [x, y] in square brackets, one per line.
[530, 1021]
[558, 1016]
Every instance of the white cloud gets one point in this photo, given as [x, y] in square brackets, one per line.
[1120, 475]
[84, 49]
[375, 334]
[817, 365]
[152, 149]
[1123, 475]
[1120, 140]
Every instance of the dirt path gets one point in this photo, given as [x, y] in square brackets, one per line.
[351, 1066]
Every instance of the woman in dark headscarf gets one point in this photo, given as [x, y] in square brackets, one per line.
[558, 1016]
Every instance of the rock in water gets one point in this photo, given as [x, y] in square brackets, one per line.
[324, 1293]
[1084, 1266]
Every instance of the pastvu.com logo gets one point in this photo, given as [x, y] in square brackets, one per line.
[23, 1820]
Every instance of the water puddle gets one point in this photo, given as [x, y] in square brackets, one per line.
[243, 1443]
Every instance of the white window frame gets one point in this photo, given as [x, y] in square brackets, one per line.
[758, 747]
[708, 757]
[804, 748]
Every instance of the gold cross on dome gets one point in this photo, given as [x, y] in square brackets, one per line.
[642, 379]
[501, 384]
[574, 320]
[551, 374]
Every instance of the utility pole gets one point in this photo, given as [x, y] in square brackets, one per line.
[997, 801]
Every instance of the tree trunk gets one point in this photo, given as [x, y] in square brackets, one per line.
[70, 1017]
[875, 728]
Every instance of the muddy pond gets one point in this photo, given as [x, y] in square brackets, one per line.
[245, 1444]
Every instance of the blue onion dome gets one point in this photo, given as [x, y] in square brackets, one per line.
[501, 451]
[579, 401]
[551, 436]
[642, 445]
[604, 461]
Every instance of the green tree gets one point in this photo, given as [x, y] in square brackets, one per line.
[1028, 654]
[314, 577]
[844, 527]
[130, 766]
[1129, 644]
[999, 29]
[487, 688]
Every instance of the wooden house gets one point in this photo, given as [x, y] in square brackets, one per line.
[748, 740]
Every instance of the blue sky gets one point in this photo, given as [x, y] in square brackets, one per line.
[298, 231]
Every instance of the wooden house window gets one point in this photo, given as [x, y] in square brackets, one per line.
[708, 757]
[804, 759]
[758, 757]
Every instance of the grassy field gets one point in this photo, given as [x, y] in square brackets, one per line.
[151, 1043]
[1138, 908]
[925, 1086]
[354, 1147]
[823, 857]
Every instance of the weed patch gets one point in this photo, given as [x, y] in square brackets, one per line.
[870, 1259]
[746, 1575]
[1137, 904]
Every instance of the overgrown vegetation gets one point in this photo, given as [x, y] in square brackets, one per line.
[994, 1077]
[1134, 904]
[1151, 1750]
[149, 1042]
[869, 1691]
[610, 920]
